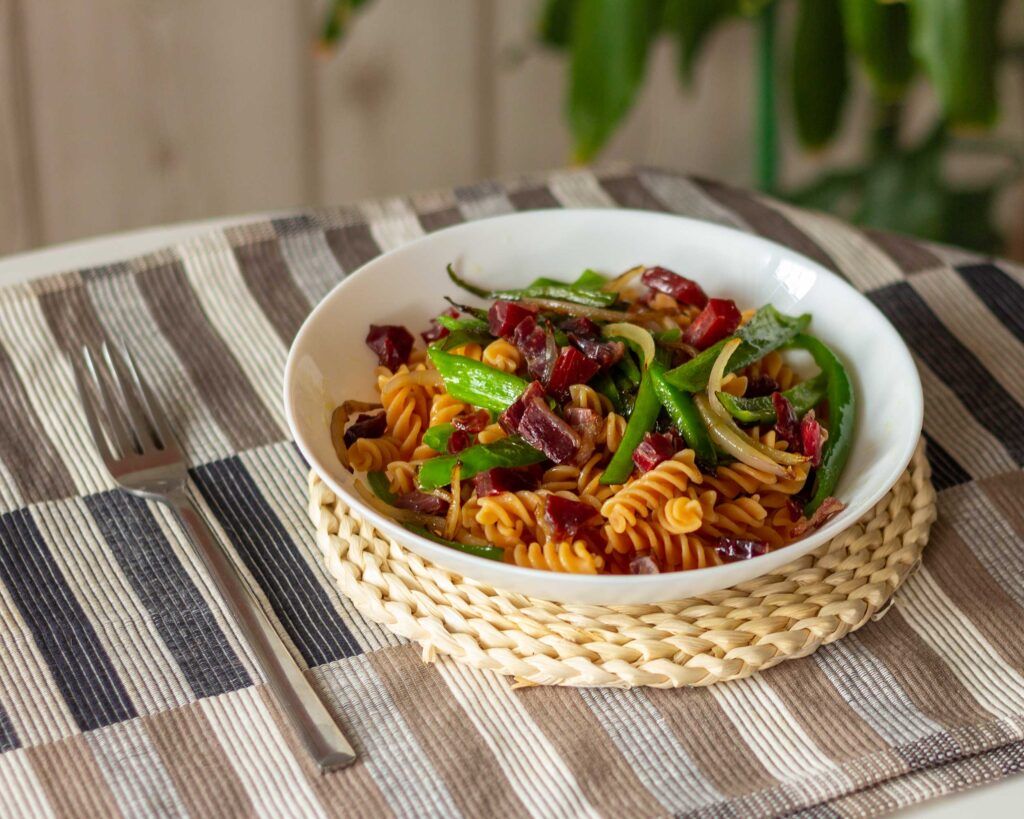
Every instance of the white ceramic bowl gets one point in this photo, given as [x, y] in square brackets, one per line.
[329, 361]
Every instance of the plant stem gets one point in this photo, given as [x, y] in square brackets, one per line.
[886, 131]
[767, 148]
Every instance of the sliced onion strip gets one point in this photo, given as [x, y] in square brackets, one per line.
[339, 420]
[631, 332]
[721, 425]
[620, 282]
[733, 441]
[717, 374]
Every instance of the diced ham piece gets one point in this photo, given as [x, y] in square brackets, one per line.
[436, 330]
[731, 548]
[786, 425]
[505, 316]
[530, 417]
[565, 516]
[718, 319]
[472, 422]
[391, 342]
[544, 430]
[655, 448]
[583, 420]
[587, 424]
[511, 417]
[761, 385]
[571, 367]
[810, 438]
[605, 353]
[507, 479]
[682, 289]
[643, 565]
[537, 344]
[581, 327]
[422, 502]
[829, 508]
[368, 425]
[458, 441]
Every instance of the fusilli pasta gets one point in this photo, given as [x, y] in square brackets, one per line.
[648, 492]
[558, 556]
[502, 355]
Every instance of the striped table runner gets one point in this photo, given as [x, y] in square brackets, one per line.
[124, 687]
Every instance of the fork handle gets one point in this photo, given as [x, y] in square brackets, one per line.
[300, 703]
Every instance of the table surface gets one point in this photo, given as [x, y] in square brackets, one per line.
[1002, 799]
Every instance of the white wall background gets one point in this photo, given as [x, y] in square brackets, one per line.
[122, 113]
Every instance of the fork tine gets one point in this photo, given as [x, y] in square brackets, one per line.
[155, 414]
[120, 437]
[88, 400]
[143, 428]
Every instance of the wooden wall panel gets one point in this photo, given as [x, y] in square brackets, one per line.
[153, 112]
[401, 105]
[530, 83]
[17, 217]
[119, 113]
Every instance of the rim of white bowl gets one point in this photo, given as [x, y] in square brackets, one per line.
[769, 560]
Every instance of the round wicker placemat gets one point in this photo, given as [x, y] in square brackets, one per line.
[719, 636]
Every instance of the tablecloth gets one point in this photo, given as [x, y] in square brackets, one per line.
[125, 688]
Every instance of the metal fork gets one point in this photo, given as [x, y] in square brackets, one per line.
[136, 444]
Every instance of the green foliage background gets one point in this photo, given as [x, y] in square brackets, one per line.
[955, 45]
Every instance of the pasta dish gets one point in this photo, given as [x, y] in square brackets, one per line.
[626, 425]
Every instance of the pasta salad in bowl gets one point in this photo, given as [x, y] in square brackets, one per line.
[602, 436]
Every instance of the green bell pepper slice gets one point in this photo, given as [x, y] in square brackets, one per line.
[436, 437]
[511, 451]
[842, 407]
[766, 331]
[681, 409]
[476, 383]
[804, 396]
[554, 290]
[645, 413]
[381, 487]
[489, 552]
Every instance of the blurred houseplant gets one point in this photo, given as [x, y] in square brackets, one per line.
[954, 44]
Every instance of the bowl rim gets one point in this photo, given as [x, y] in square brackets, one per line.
[769, 560]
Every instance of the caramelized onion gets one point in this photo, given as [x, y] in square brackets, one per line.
[623, 280]
[638, 335]
[735, 442]
[723, 429]
[339, 420]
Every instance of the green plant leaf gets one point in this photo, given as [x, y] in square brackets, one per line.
[752, 8]
[903, 189]
[610, 40]
[967, 218]
[337, 20]
[957, 41]
[879, 33]
[837, 192]
[554, 28]
[692, 21]
[819, 71]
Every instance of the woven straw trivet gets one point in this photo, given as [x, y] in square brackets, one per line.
[719, 636]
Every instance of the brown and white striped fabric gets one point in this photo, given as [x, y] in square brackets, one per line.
[125, 689]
